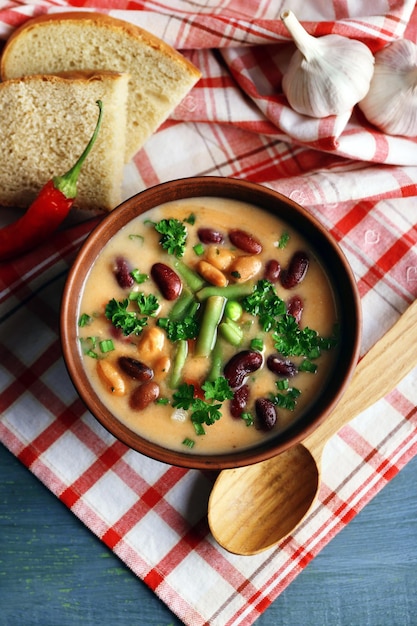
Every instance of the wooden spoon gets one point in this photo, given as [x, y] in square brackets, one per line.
[252, 508]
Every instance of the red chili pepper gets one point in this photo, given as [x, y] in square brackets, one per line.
[47, 211]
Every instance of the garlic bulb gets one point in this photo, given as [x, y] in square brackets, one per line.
[391, 102]
[327, 75]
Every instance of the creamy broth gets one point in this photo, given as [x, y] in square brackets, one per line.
[139, 244]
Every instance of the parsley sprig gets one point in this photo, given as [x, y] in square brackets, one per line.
[173, 236]
[147, 304]
[129, 322]
[264, 303]
[289, 338]
[286, 396]
[203, 411]
[176, 330]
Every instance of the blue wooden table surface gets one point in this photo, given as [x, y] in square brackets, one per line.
[54, 572]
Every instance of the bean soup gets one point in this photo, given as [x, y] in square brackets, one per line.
[208, 325]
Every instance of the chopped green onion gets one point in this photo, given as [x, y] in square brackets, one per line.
[106, 345]
[190, 219]
[257, 344]
[138, 276]
[199, 428]
[88, 346]
[84, 320]
[283, 240]
[140, 237]
[283, 384]
[307, 366]
[199, 249]
[189, 442]
[247, 417]
[286, 400]
[162, 401]
[91, 354]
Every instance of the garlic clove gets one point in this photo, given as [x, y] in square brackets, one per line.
[391, 102]
[326, 75]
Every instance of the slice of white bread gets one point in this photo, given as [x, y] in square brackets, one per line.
[160, 76]
[46, 122]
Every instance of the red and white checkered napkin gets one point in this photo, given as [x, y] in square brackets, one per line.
[361, 184]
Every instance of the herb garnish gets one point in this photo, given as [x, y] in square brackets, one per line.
[286, 398]
[139, 277]
[264, 303]
[247, 418]
[88, 346]
[283, 240]
[186, 328]
[174, 236]
[85, 320]
[217, 390]
[128, 321]
[291, 340]
[203, 411]
[147, 304]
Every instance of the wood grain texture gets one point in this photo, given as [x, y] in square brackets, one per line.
[53, 571]
[252, 508]
[379, 371]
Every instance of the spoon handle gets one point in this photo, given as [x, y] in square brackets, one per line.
[377, 373]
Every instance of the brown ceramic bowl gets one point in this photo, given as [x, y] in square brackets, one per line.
[334, 261]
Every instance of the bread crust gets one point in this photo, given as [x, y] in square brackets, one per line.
[100, 20]
[160, 77]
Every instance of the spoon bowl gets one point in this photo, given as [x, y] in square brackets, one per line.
[252, 508]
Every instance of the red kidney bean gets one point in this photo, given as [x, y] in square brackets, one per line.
[122, 273]
[272, 270]
[117, 333]
[296, 270]
[280, 366]
[245, 241]
[240, 365]
[295, 308]
[168, 282]
[239, 401]
[134, 368]
[210, 235]
[266, 413]
[143, 395]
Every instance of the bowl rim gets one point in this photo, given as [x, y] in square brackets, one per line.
[200, 186]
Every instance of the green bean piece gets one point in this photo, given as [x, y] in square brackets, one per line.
[232, 332]
[212, 314]
[181, 305]
[216, 368]
[189, 276]
[178, 363]
[230, 291]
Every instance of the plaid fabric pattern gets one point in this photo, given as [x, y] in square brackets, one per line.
[359, 182]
